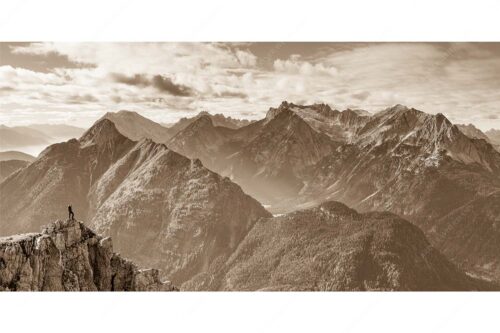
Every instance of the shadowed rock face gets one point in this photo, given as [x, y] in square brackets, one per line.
[67, 256]
[332, 247]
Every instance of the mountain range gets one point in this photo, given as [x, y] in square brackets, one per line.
[181, 198]
[161, 208]
[417, 165]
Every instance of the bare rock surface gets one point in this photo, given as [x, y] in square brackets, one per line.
[67, 256]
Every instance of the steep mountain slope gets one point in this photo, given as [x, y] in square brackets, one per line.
[470, 235]
[15, 155]
[203, 140]
[332, 247]
[67, 256]
[136, 127]
[161, 208]
[171, 212]
[10, 166]
[273, 163]
[62, 174]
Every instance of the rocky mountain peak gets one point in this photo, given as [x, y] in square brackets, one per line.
[121, 113]
[398, 108]
[68, 256]
[203, 113]
[104, 131]
[273, 112]
[321, 107]
[203, 120]
[285, 105]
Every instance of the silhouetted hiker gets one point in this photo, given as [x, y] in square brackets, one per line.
[71, 214]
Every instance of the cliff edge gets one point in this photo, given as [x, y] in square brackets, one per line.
[68, 256]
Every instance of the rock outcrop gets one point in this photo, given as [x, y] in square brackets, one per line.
[67, 256]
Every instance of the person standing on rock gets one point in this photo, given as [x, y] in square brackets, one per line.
[70, 212]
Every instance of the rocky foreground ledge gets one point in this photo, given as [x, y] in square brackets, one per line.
[68, 256]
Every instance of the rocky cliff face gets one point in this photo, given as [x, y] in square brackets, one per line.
[332, 247]
[67, 256]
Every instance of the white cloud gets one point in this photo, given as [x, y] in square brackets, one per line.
[294, 65]
[459, 80]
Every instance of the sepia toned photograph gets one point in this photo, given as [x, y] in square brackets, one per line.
[249, 166]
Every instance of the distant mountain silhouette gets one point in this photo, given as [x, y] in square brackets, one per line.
[21, 136]
[35, 135]
[15, 155]
[58, 131]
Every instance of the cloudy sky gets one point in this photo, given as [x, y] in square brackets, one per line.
[77, 82]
